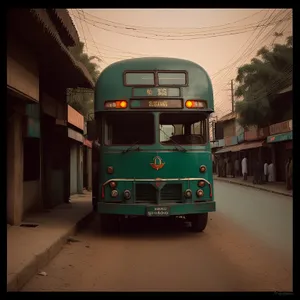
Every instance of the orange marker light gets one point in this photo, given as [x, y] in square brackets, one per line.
[195, 104]
[189, 104]
[123, 104]
[116, 104]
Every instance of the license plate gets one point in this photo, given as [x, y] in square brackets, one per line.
[158, 211]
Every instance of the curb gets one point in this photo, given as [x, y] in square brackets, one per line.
[16, 281]
[254, 187]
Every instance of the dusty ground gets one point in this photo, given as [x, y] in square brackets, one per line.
[165, 256]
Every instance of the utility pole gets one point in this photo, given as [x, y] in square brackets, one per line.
[232, 96]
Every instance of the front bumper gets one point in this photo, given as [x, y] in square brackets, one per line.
[140, 209]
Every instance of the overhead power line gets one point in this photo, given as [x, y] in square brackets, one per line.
[223, 32]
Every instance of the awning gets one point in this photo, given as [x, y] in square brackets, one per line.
[87, 143]
[241, 147]
[252, 145]
[228, 149]
[280, 137]
[72, 134]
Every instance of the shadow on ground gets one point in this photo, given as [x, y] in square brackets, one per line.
[160, 228]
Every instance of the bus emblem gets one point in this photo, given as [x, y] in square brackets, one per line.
[157, 163]
[149, 92]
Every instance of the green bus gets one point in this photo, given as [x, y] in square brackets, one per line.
[153, 157]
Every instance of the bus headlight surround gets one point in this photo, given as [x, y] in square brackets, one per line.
[127, 194]
[188, 193]
[202, 169]
[200, 193]
[114, 193]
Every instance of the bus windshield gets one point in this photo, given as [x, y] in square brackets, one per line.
[129, 128]
[184, 129]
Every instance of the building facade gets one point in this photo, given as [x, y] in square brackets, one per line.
[40, 68]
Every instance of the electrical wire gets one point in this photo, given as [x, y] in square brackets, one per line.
[264, 38]
[172, 28]
[243, 29]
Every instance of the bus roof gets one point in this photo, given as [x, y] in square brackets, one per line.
[110, 84]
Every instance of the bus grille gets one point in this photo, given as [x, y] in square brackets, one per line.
[145, 193]
[171, 193]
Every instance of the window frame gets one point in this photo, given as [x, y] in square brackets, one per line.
[108, 131]
[156, 80]
[205, 125]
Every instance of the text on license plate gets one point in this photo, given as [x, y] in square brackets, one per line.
[158, 211]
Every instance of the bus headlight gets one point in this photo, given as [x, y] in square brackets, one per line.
[114, 193]
[188, 193]
[200, 193]
[127, 194]
[202, 169]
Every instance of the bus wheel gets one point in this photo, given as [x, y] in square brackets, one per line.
[109, 223]
[198, 222]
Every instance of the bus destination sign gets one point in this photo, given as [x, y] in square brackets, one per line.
[156, 92]
[155, 104]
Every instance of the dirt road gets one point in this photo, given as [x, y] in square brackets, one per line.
[163, 256]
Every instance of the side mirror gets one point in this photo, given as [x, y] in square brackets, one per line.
[91, 130]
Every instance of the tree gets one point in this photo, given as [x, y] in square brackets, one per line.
[259, 82]
[79, 98]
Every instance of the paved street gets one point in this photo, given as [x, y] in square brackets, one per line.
[247, 246]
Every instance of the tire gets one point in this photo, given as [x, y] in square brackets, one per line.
[109, 223]
[198, 222]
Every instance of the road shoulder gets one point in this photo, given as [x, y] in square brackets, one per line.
[274, 188]
[29, 249]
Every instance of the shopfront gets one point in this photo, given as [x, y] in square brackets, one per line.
[281, 142]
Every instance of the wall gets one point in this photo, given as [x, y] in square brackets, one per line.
[281, 127]
[14, 169]
[31, 195]
[22, 69]
[23, 83]
[238, 128]
[80, 170]
[89, 168]
[75, 118]
[73, 167]
[229, 128]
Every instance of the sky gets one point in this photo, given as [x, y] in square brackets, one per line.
[220, 40]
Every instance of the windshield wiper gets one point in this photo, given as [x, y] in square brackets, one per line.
[131, 148]
[182, 149]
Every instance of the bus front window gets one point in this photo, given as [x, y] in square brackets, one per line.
[129, 128]
[183, 128]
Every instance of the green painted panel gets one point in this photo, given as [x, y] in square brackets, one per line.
[280, 137]
[140, 210]
[110, 83]
[33, 128]
[33, 110]
[138, 165]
